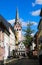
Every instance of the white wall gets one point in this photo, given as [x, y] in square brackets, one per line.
[6, 45]
[19, 35]
[9, 42]
[12, 40]
[21, 47]
[33, 45]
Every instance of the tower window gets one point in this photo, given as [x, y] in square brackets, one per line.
[17, 29]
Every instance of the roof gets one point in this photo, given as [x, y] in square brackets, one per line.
[41, 12]
[39, 22]
[17, 14]
[17, 19]
[41, 17]
[4, 22]
[36, 34]
[11, 27]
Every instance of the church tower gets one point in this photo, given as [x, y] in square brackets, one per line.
[18, 28]
[18, 35]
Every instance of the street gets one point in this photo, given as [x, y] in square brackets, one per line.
[24, 61]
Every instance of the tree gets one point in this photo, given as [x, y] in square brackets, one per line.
[28, 37]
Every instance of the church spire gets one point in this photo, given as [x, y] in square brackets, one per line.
[17, 19]
[17, 14]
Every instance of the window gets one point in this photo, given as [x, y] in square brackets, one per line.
[41, 41]
[17, 29]
[0, 29]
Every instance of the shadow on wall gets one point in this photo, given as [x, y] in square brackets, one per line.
[12, 54]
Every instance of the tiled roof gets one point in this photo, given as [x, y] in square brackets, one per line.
[4, 22]
[11, 27]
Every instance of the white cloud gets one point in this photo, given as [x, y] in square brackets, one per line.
[32, 34]
[34, 23]
[11, 21]
[33, 4]
[21, 21]
[24, 23]
[37, 2]
[35, 13]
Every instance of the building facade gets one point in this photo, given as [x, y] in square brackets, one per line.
[18, 35]
[18, 28]
[21, 49]
[4, 36]
[12, 40]
[7, 37]
[38, 35]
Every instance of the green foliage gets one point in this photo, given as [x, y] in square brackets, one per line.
[28, 32]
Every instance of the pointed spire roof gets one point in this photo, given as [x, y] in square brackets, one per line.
[17, 19]
[17, 14]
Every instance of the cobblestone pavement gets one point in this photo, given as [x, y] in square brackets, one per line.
[24, 62]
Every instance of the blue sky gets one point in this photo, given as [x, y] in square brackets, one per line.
[28, 11]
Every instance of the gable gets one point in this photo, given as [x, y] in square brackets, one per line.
[21, 45]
